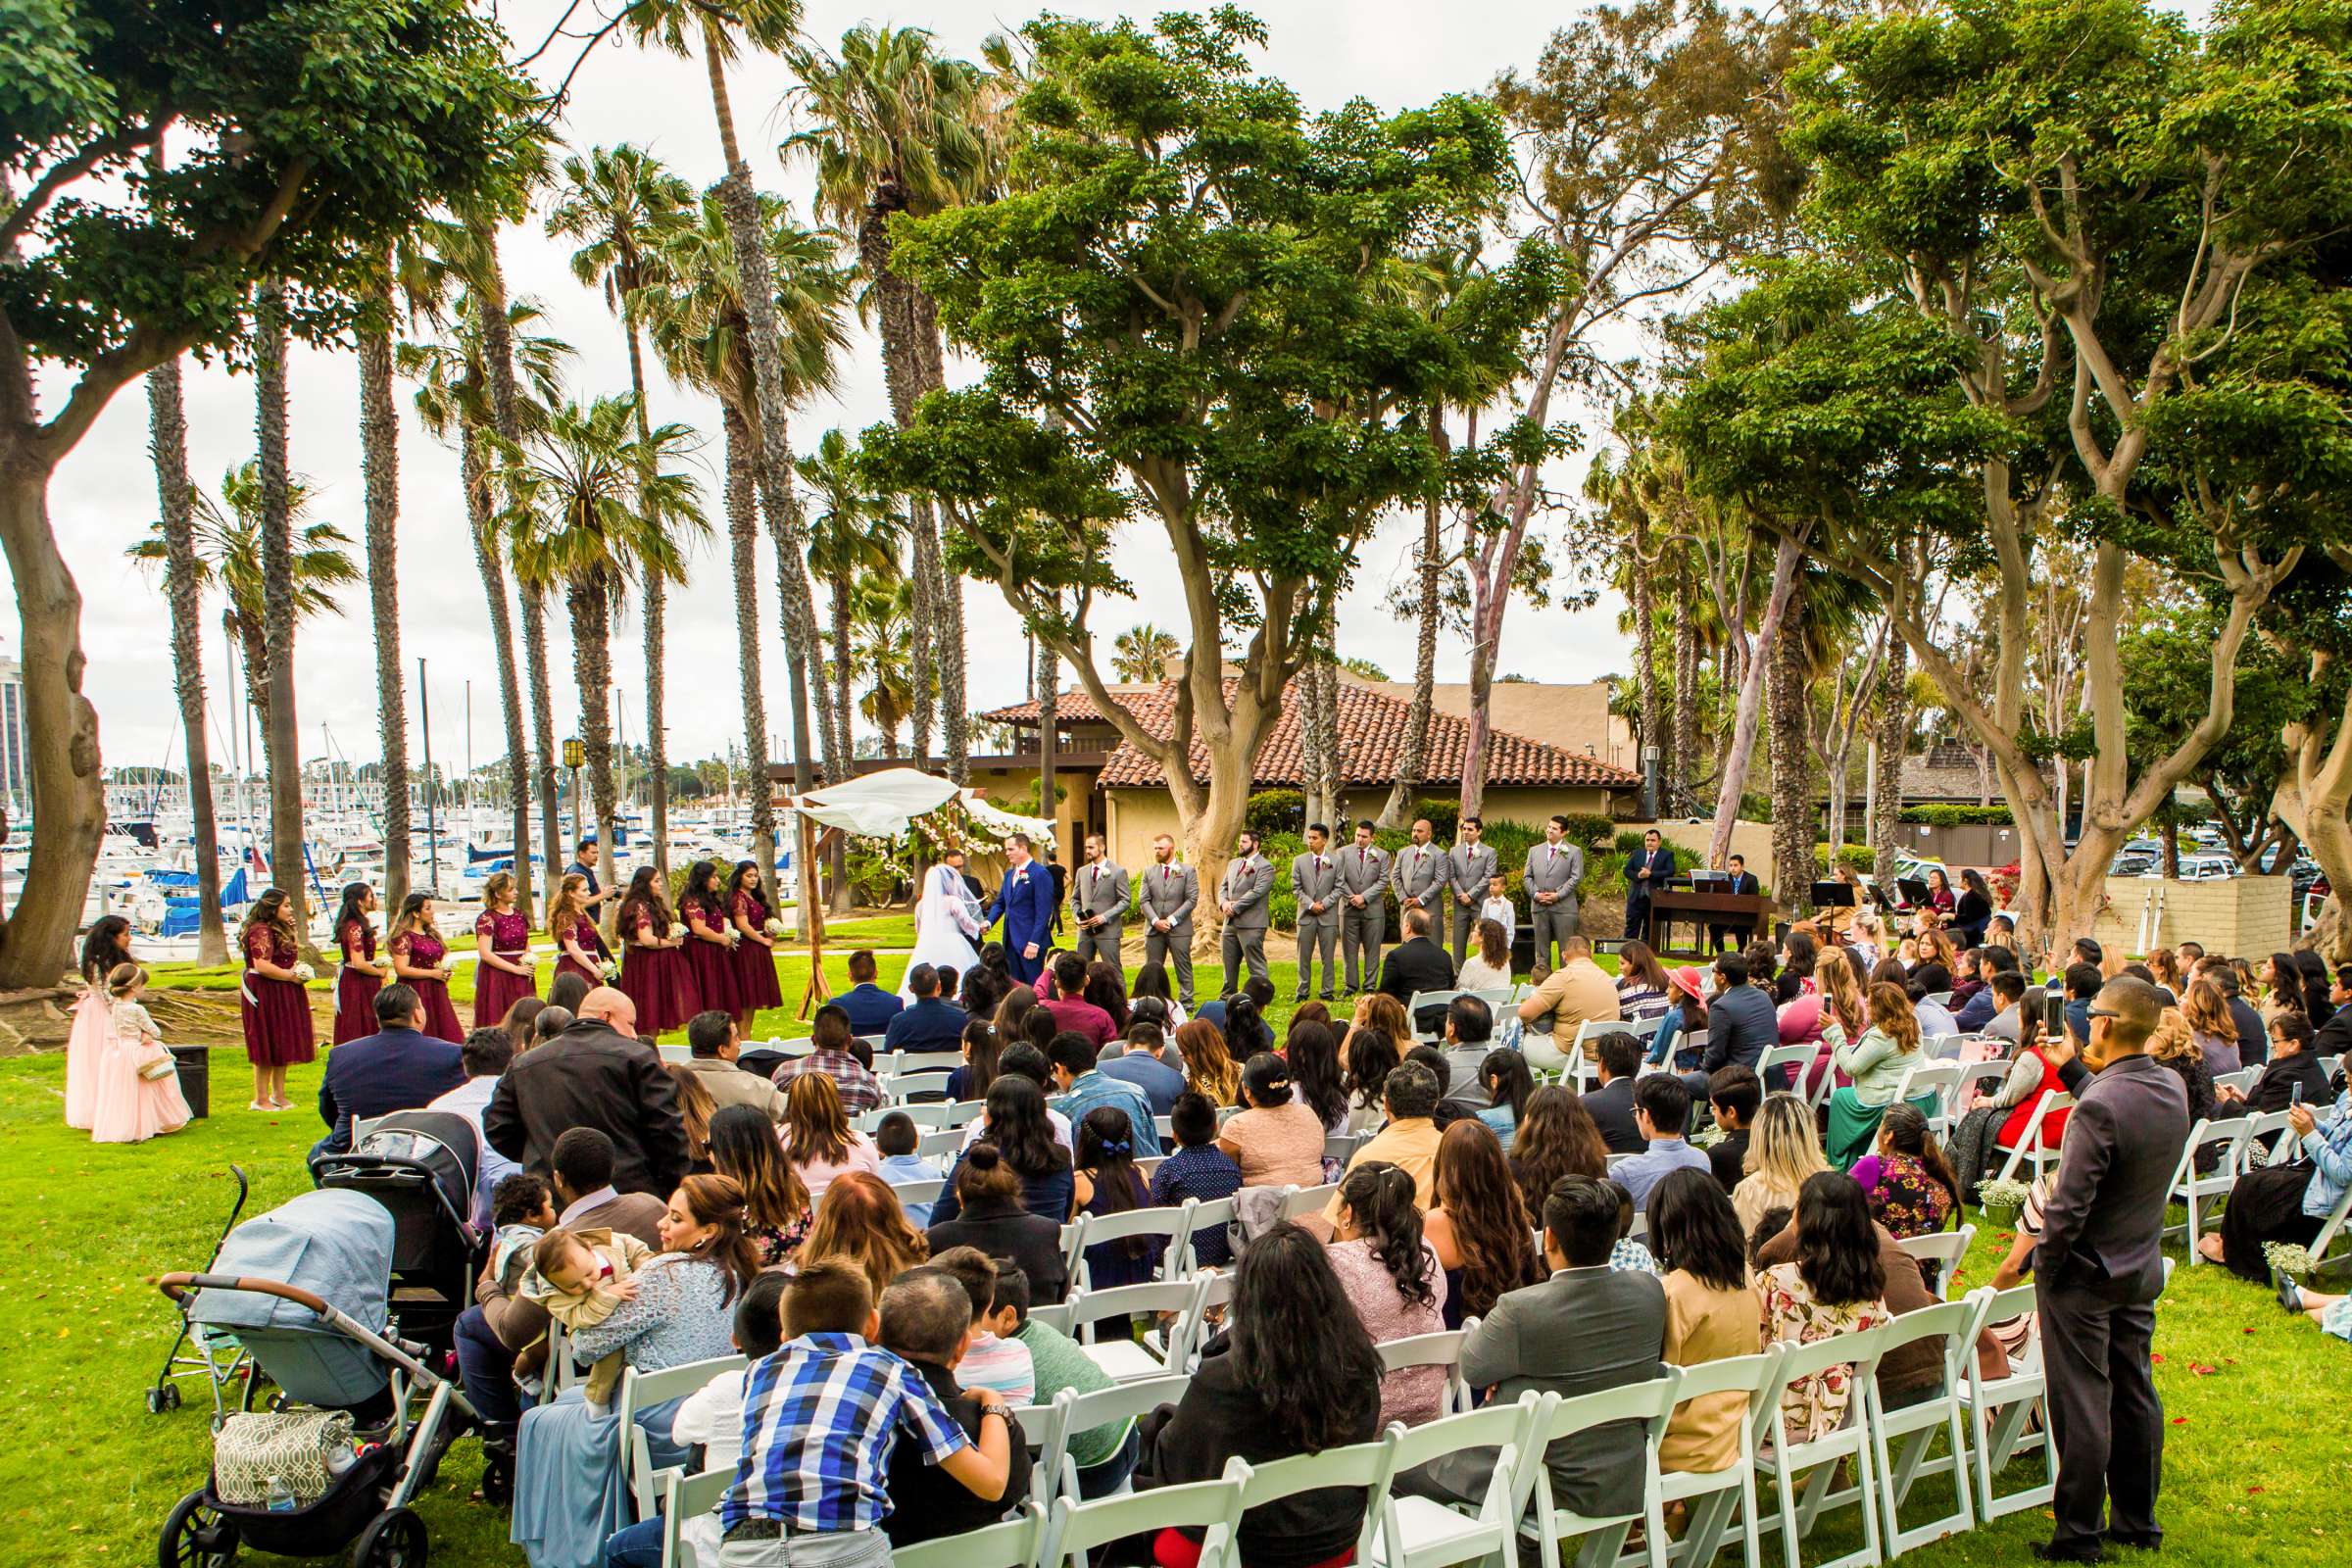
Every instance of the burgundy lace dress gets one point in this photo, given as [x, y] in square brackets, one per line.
[495, 990]
[276, 1014]
[422, 949]
[657, 979]
[583, 937]
[755, 985]
[355, 991]
[713, 966]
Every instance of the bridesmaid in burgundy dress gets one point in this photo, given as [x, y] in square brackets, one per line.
[575, 932]
[419, 960]
[271, 1001]
[360, 976]
[710, 939]
[756, 984]
[504, 973]
[652, 971]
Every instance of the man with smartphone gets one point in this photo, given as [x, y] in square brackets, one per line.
[2098, 1271]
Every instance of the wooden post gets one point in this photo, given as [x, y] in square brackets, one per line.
[812, 844]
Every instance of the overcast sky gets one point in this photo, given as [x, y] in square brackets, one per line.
[1395, 53]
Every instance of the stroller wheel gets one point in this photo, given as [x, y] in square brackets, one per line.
[196, 1535]
[163, 1399]
[396, 1540]
[498, 1477]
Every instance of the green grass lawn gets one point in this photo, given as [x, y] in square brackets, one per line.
[2262, 1433]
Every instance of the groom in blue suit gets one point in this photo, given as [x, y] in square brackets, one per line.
[1027, 904]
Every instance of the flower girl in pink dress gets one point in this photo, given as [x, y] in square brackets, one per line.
[138, 1084]
[108, 944]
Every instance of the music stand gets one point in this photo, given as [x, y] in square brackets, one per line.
[1914, 891]
[1833, 895]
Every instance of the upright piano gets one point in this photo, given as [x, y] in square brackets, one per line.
[1679, 904]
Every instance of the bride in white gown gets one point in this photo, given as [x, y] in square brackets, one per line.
[946, 922]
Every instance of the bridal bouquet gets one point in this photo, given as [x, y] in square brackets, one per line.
[612, 972]
[2291, 1258]
[304, 973]
[774, 927]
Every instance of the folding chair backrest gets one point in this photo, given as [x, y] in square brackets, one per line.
[1944, 1248]
[1778, 1056]
[1360, 1466]
[1078, 1528]
[1428, 999]
[903, 1063]
[1859, 1351]
[1011, 1543]
[1301, 1201]
[1649, 1402]
[685, 1497]
[1089, 1307]
[1936, 1078]
[1075, 1412]
[1209, 1219]
[1341, 1146]
[918, 1192]
[1430, 1349]
[945, 1143]
[642, 1391]
[1490, 1426]
[1948, 1321]
[1733, 1374]
[677, 1054]
[2241, 1080]
[1999, 1306]
[1173, 1225]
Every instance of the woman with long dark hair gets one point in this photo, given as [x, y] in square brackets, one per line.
[1208, 1067]
[1107, 1182]
[1372, 1055]
[1478, 1225]
[1246, 1032]
[695, 1109]
[419, 960]
[106, 945]
[504, 972]
[1018, 1125]
[359, 977]
[1152, 980]
[745, 902]
[654, 971]
[1012, 1014]
[1837, 1285]
[710, 938]
[573, 931]
[271, 1002]
[1973, 911]
[1295, 1372]
[1508, 1081]
[1313, 1055]
[776, 1211]
[1394, 1279]
[1644, 991]
[1556, 1138]
[982, 1049]
[1711, 1311]
[1912, 1188]
[1107, 988]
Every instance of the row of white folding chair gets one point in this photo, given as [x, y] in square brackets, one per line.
[2242, 1079]
[642, 1391]
[1946, 1250]
[1175, 1227]
[2196, 1193]
[935, 1116]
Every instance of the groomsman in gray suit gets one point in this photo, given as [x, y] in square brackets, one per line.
[1553, 869]
[1419, 878]
[1363, 906]
[1098, 902]
[1315, 886]
[1169, 891]
[1244, 897]
[1469, 866]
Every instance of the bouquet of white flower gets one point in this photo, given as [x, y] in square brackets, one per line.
[774, 926]
[2291, 1258]
[2006, 1198]
[612, 972]
[305, 973]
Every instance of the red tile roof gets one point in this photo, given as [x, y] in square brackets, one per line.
[1372, 728]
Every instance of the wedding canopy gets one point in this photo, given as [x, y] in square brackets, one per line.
[883, 805]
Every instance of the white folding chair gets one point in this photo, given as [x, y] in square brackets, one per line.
[1423, 1533]
[1300, 1201]
[1072, 1412]
[1012, 1543]
[677, 1054]
[1714, 1498]
[2032, 1146]
[2271, 1142]
[1936, 1078]
[2196, 1194]
[2330, 1229]
[685, 1497]
[1128, 1359]
[1798, 1057]
[1341, 1146]
[1900, 1439]
[945, 1143]
[562, 1370]
[1651, 1404]
[1364, 1467]
[1078, 1528]
[910, 1193]
[1443, 1350]
[1148, 1166]
[1174, 1225]
[1976, 1080]
[1428, 999]
[1998, 1409]
[1054, 1315]
[2242, 1079]
[1943, 1248]
[1783, 1461]
[905, 1062]
[1209, 1219]
[642, 1391]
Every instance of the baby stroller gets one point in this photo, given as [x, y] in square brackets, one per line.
[305, 1290]
[420, 1166]
[196, 1353]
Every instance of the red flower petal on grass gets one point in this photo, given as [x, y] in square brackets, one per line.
[2254, 1491]
[2180, 1420]
[2201, 1371]
[2156, 1356]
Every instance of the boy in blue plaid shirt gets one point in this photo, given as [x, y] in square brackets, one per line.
[818, 1417]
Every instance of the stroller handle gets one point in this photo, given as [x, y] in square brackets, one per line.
[177, 1285]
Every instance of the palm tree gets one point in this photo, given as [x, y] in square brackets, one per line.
[701, 329]
[454, 400]
[896, 129]
[619, 202]
[227, 553]
[681, 26]
[184, 584]
[280, 740]
[878, 645]
[379, 471]
[854, 536]
[596, 509]
[1139, 655]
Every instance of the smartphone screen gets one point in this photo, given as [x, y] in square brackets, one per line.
[2294, 1094]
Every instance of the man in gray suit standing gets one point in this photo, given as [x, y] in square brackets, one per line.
[1363, 906]
[1586, 1329]
[1469, 866]
[1418, 876]
[1316, 887]
[1098, 903]
[1169, 891]
[1553, 869]
[1244, 899]
[2096, 1275]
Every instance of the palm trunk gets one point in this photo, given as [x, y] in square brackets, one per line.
[1647, 699]
[922, 573]
[1048, 703]
[902, 378]
[498, 354]
[1786, 561]
[1414, 761]
[1682, 768]
[167, 443]
[279, 737]
[592, 672]
[1894, 736]
[379, 467]
[838, 596]
[488, 560]
[253, 647]
[1792, 864]
[541, 760]
[657, 608]
[743, 540]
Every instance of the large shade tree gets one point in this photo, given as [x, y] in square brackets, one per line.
[1177, 317]
[114, 268]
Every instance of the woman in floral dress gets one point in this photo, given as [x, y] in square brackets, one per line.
[502, 936]
[421, 962]
[1910, 1185]
[271, 1001]
[1836, 1286]
[756, 984]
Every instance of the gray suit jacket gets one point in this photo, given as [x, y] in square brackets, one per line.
[1098, 889]
[2100, 1228]
[1578, 1331]
[1168, 893]
[1547, 872]
[1420, 873]
[1467, 869]
[1248, 886]
[1311, 886]
[1364, 871]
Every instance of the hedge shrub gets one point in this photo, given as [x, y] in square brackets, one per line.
[1942, 815]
